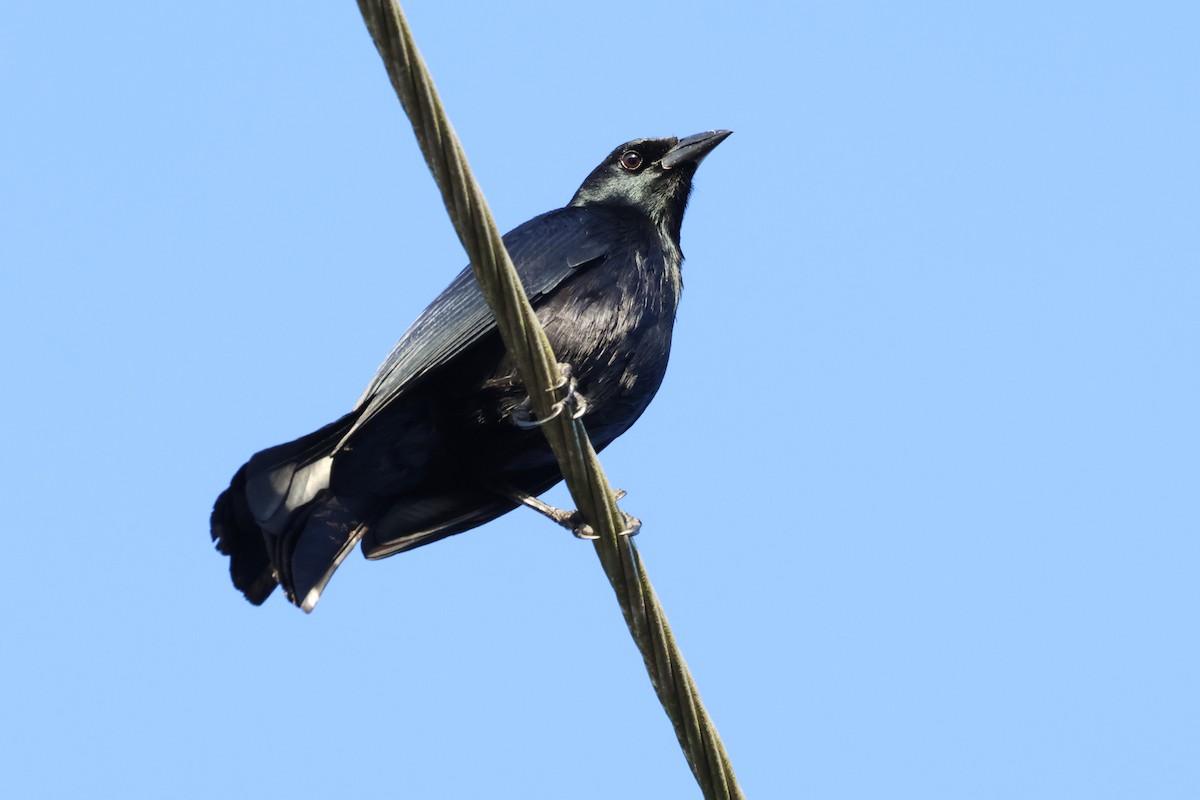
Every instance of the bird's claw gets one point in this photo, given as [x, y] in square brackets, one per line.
[572, 401]
[583, 530]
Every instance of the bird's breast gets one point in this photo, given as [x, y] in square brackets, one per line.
[613, 325]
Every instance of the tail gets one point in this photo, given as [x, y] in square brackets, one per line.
[238, 536]
[279, 523]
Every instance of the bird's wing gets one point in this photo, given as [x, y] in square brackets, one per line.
[544, 250]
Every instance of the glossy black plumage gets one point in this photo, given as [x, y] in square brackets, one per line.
[433, 440]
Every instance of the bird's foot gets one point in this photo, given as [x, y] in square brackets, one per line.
[573, 520]
[569, 399]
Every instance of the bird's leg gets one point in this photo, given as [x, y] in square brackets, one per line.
[571, 520]
[574, 403]
[569, 399]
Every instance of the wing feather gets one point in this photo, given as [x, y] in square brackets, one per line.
[545, 251]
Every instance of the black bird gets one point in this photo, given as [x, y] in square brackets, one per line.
[442, 440]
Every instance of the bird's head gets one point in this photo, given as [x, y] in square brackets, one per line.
[653, 176]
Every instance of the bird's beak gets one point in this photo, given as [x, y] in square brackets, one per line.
[693, 148]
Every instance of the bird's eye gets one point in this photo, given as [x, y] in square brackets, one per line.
[631, 160]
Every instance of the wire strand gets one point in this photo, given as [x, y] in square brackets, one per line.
[531, 352]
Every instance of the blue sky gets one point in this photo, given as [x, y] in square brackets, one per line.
[919, 492]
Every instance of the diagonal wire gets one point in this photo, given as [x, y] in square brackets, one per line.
[539, 371]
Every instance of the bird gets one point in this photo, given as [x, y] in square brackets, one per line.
[443, 439]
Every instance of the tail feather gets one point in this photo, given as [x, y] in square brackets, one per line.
[414, 521]
[280, 525]
[312, 550]
[237, 535]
